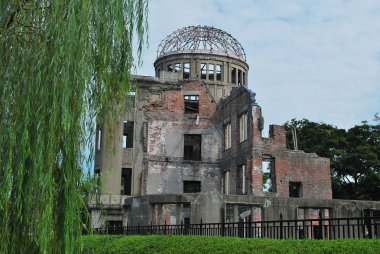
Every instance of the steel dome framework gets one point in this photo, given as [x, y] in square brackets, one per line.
[201, 38]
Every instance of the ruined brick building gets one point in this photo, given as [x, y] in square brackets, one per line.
[190, 147]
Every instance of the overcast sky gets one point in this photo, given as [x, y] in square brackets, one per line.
[318, 60]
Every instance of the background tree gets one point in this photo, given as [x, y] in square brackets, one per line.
[61, 63]
[354, 155]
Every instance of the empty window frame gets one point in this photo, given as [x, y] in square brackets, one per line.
[128, 134]
[186, 70]
[239, 77]
[243, 127]
[211, 71]
[203, 71]
[244, 79]
[219, 72]
[233, 75]
[158, 72]
[269, 176]
[227, 136]
[295, 189]
[192, 147]
[177, 67]
[226, 183]
[170, 67]
[241, 188]
[126, 181]
[191, 104]
[191, 186]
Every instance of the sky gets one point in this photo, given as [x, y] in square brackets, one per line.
[318, 60]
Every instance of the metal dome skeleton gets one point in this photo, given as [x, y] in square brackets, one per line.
[204, 38]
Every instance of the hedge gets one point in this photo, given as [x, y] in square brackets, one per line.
[102, 244]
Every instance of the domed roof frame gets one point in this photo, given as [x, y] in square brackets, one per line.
[203, 38]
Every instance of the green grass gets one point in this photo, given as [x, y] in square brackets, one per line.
[203, 244]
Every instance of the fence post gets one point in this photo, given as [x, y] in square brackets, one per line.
[281, 227]
[151, 227]
[181, 231]
[200, 231]
[138, 228]
[223, 226]
[165, 228]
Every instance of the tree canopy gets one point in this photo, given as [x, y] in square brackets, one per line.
[61, 63]
[354, 155]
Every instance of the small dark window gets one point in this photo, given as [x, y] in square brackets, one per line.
[233, 75]
[295, 189]
[126, 181]
[192, 147]
[241, 187]
[170, 67]
[128, 134]
[191, 104]
[186, 70]
[191, 186]
[239, 77]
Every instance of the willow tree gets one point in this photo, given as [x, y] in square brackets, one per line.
[61, 62]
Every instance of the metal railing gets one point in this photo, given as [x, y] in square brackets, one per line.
[333, 228]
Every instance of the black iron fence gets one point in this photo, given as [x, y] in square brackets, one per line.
[337, 228]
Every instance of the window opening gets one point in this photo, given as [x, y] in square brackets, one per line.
[243, 125]
[191, 186]
[170, 67]
[192, 147]
[227, 136]
[226, 182]
[239, 77]
[158, 72]
[186, 70]
[211, 72]
[191, 104]
[241, 184]
[233, 75]
[177, 67]
[219, 72]
[126, 181]
[128, 134]
[269, 176]
[203, 71]
[295, 189]
[244, 81]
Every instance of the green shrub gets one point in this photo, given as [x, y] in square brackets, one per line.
[215, 245]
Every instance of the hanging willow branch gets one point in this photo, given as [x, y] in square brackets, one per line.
[61, 62]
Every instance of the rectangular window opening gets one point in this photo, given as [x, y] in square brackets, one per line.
[241, 180]
[233, 75]
[126, 181]
[295, 189]
[227, 136]
[226, 182]
[192, 147]
[191, 186]
[244, 79]
[186, 70]
[191, 104]
[239, 77]
[177, 67]
[243, 127]
[211, 72]
[128, 134]
[219, 72]
[170, 67]
[203, 71]
[269, 176]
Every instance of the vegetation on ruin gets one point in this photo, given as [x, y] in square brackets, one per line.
[61, 63]
[354, 155]
[203, 244]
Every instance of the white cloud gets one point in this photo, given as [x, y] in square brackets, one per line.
[314, 59]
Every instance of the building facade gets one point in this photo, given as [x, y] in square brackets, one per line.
[189, 147]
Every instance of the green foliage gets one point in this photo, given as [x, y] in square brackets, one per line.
[61, 63]
[354, 155]
[215, 245]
